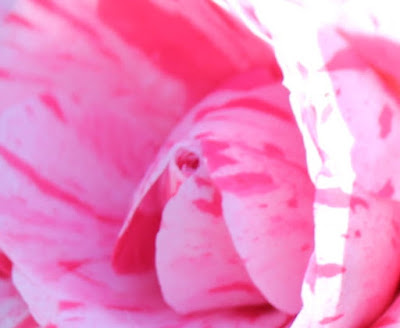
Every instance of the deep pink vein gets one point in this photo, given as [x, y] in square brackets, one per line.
[49, 188]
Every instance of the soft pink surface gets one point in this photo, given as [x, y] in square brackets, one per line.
[391, 317]
[256, 159]
[13, 310]
[234, 166]
[82, 114]
[340, 63]
[89, 92]
[197, 265]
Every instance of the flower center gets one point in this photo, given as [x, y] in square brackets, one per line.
[187, 161]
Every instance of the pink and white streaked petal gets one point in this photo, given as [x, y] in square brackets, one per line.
[338, 54]
[343, 285]
[55, 310]
[197, 264]
[14, 312]
[266, 193]
[332, 75]
[73, 145]
[216, 42]
[135, 246]
[222, 122]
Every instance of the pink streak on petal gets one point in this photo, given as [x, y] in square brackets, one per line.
[235, 286]
[13, 310]
[20, 20]
[53, 105]
[357, 201]
[385, 121]
[212, 207]
[28, 322]
[218, 159]
[329, 320]
[4, 74]
[5, 266]
[246, 183]
[329, 270]
[209, 61]
[46, 186]
[387, 190]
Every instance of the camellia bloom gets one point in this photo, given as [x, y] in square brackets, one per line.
[156, 173]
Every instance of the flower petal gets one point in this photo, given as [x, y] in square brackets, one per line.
[391, 318]
[54, 205]
[343, 284]
[94, 76]
[211, 44]
[64, 196]
[237, 118]
[13, 310]
[197, 264]
[135, 247]
[62, 311]
[331, 76]
[256, 159]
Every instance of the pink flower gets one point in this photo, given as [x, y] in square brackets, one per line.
[154, 173]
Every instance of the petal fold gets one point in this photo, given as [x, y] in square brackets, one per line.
[197, 264]
[257, 161]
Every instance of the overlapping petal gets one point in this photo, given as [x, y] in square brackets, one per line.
[391, 317]
[135, 247]
[82, 114]
[338, 60]
[257, 160]
[197, 265]
[13, 310]
[252, 149]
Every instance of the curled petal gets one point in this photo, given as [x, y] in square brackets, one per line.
[257, 161]
[135, 246]
[197, 264]
[391, 317]
[263, 170]
[13, 311]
